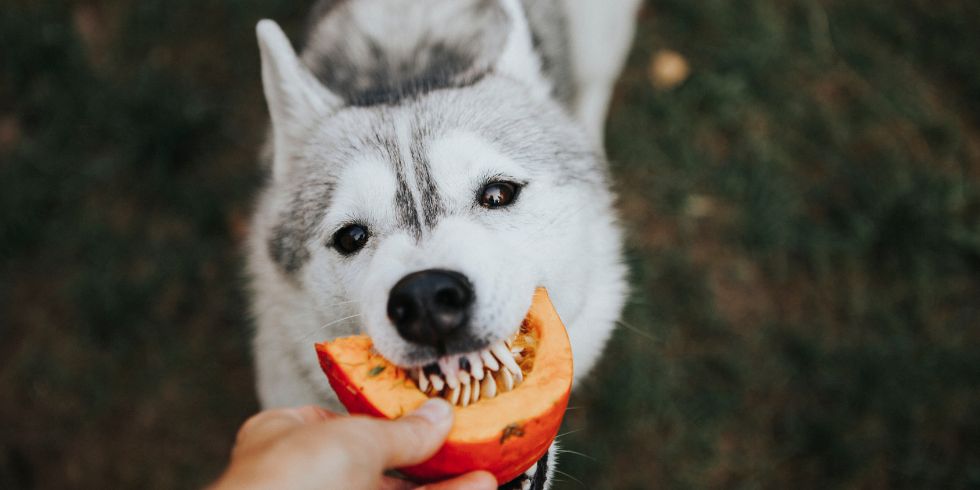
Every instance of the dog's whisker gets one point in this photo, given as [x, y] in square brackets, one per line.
[642, 333]
[342, 303]
[325, 325]
[560, 472]
[569, 432]
[569, 451]
[318, 329]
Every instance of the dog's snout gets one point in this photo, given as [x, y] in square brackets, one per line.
[428, 306]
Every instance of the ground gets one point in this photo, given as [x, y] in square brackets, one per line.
[803, 212]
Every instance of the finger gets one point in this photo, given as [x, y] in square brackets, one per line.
[312, 413]
[267, 422]
[477, 480]
[271, 424]
[392, 483]
[409, 440]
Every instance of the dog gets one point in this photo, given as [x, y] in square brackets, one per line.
[430, 163]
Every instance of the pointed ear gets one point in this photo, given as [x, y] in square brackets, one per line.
[518, 59]
[294, 95]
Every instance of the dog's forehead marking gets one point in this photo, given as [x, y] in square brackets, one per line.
[417, 198]
[432, 206]
[406, 202]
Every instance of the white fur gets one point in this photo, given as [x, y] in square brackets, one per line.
[294, 96]
[518, 59]
[601, 34]
[561, 232]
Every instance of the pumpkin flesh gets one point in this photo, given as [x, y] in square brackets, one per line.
[505, 435]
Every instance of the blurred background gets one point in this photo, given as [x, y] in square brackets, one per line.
[800, 180]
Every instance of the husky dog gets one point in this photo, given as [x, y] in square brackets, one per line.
[431, 163]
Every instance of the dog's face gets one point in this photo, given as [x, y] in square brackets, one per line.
[459, 198]
[429, 222]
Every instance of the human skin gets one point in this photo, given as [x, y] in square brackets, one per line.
[312, 448]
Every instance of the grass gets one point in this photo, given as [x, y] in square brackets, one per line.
[803, 212]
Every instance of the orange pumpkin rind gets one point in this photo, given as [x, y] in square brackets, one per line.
[504, 435]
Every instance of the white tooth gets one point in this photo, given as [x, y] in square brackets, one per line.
[475, 391]
[464, 399]
[489, 386]
[464, 377]
[518, 377]
[437, 382]
[506, 358]
[508, 380]
[454, 396]
[476, 366]
[449, 369]
[423, 381]
[489, 360]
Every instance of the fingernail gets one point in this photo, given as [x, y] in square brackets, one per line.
[435, 410]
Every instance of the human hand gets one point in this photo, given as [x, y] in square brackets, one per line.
[312, 448]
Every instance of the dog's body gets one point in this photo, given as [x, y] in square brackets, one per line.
[398, 115]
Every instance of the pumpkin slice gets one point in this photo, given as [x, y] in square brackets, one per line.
[505, 434]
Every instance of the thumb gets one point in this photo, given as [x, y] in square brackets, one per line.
[413, 438]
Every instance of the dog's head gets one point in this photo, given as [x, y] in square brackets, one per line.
[432, 217]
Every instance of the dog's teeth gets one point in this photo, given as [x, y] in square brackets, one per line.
[476, 366]
[488, 360]
[499, 351]
[464, 398]
[465, 379]
[489, 386]
[506, 358]
[449, 369]
[475, 391]
[437, 382]
[508, 380]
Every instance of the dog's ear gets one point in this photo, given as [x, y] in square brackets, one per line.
[518, 59]
[295, 97]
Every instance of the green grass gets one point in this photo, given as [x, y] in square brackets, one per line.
[804, 233]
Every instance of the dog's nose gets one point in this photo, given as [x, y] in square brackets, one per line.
[428, 306]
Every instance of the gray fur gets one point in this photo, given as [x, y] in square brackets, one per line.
[404, 199]
[432, 206]
[412, 53]
[527, 130]
[409, 51]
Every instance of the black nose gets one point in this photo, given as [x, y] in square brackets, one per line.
[428, 306]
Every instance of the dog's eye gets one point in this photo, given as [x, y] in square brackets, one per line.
[498, 194]
[350, 239]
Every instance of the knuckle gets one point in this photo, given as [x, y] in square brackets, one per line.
[250, 424]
